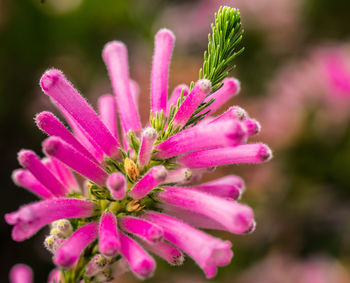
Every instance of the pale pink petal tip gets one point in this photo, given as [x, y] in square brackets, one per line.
[154, 177]
[143, 229]
[149, 136]
[95, 265]
[140, 262]
[116, 184]
[109, 243]
[69, 253]
[264, 153]
[25, 179]
[56, 147]
[21, 273]
[49, 78]
[113, 46]
[253, 126]
[204, 85]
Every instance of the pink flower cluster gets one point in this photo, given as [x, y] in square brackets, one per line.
[137, 196]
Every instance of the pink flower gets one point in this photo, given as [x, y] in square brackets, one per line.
[110, 223]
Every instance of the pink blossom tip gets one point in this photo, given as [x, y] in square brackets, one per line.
[69, 253]
[164, 45]
[149, 136]
[140, 262]
[154, 177]
[21, 273]
[253, 126]
[245, 153]
[141, 228]
[29, 160]
[200, 90]
[116, 184]
[57, 148]
[25, 179]
[109, 243]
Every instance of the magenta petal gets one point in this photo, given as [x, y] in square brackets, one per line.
[139, 227]
[229, 186]
[176, 95]
[230, 88]
[237, 218]
[108, 113]
[63, 173]
[200, 137]
[116, 184]
[29, 160]
[69, 253]
[140, 262]
[51, 125]
[57, 148]
[154, 177]
[166, 251]
[31, 218]
[234, 112]
[201, 89]
[115, 56]
[21, 273]
[25, 179]
[149, 135]
[135, 92]
[207, 251]
[163, 48]
[109, 243]
[61, 91]
[245, 153]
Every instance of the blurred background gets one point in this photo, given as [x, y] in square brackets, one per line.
[295, 78]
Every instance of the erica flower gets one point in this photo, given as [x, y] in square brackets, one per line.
[137, 197]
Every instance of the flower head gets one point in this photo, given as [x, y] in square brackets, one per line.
[137, 196]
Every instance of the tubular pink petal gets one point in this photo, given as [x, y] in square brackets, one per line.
[25, 179]
[56, 86]
[29, 160]
[51, 125]
[21, 273]
[31, 218]
[200, 137]
[109, 243]
[234, 112]
[69, 253]
[84, 138]
[178, 176]
[253, 126]
[154, 177]
[135, 92]
[245, 153]
[166, 251]
[149, 136]
[163, 48]
[228, 186]
[140, 262]
[108, 113]
[192, 218]
[201, 89]
[206, 250]
[116, 184]
[176, 95]
[57, 148]
[142, 228]
[62, 173]
[116, 58]
[230, 88]
[237, 218]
